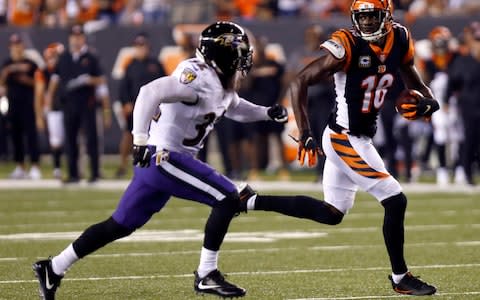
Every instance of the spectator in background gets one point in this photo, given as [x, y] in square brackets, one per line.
[264, 85]
[143, 69]
[53, 109]
[446, 133]
[81, 11]
[17, 75]
[321, 97]
[24, 13]
[155, 11]
[464, 81]
[290, 8]
[53, 13]
[76, 77]
[109, 10]
[3, 12]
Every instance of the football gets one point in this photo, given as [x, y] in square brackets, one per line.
[406, 104]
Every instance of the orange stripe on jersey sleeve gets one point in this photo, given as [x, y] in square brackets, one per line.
[345, 151]
[341, 36]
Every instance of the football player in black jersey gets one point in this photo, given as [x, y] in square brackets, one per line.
[363, 62]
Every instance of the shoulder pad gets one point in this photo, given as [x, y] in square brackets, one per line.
[335, 48]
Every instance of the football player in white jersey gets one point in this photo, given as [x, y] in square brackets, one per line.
[171, 118]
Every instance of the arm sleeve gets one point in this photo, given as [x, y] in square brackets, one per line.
[242, 110]
[163, 90]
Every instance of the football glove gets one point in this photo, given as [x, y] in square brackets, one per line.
[412, 105]
[141, 156]
[278, 113]
[308, 147]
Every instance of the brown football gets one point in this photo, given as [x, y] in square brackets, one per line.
[408, 97]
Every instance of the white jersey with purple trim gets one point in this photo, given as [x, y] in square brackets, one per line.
[183, 126]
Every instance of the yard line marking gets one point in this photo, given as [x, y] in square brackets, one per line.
[194, 234]
[268, 250]
[159, 276]
[384, 297]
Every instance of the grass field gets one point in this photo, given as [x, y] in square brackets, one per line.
[273, 256]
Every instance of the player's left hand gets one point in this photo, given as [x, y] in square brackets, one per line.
[141, 156]
[278, 113]
[308, 147]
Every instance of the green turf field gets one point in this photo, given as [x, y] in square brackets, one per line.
[272, 256]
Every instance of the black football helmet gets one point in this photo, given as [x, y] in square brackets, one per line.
[225, 46]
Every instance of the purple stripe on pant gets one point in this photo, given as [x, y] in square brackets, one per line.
[152, 187]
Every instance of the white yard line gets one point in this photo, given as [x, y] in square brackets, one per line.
[293, 186]
[266, 250]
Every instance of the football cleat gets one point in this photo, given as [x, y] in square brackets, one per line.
[411, 285]
[47, 279]
[214, 283]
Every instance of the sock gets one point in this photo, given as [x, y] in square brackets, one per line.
[397, 277]
[393, 231]
[300, 207]
[208, 262]
[251, 203]
[62, 262]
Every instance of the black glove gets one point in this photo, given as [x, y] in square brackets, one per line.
[141, 156]
[426, 107]
[307, 146]
[278, 113]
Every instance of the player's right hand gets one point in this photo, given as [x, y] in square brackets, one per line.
[308, 147]
[141, 156]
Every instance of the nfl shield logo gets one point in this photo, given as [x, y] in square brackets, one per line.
[364, 61]
[382, 69]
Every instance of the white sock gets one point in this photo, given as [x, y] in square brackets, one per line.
[208, 262]
[62, 262]
[397, 277]
[251, 203]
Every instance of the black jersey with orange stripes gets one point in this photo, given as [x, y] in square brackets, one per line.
[45, 75]
[368, 73]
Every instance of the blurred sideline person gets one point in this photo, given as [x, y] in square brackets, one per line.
[53, 108]
[76, 78]
[140, 71]
[446, 131]
[171, 118]
[464, 82]
[321, 96]
[264, 84]
[17, 75]
[363, 62]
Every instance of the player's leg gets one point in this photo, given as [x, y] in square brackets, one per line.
[56, 137]
[192, 179]
[139, 202]
[360, 161]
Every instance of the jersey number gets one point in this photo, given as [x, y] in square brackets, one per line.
[375, 91]
[202, 129]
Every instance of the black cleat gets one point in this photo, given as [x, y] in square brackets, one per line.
[411, 285]
[245, 193]
[215, 283]
[47, 279]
